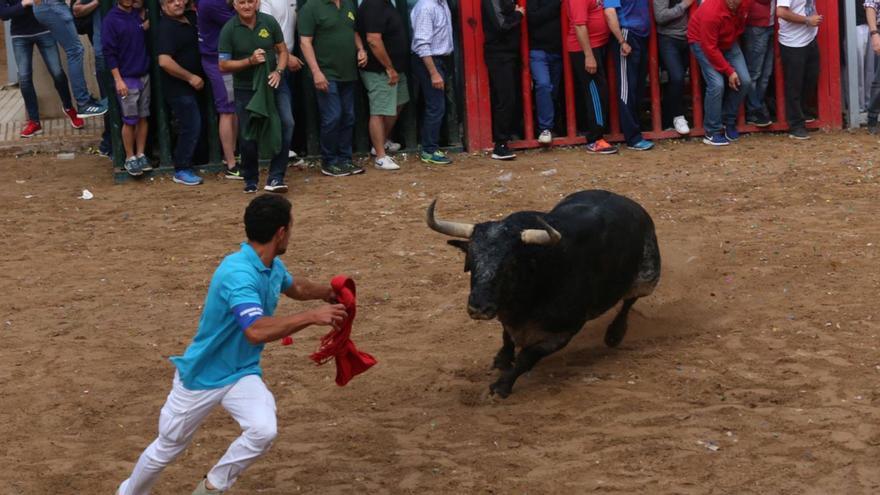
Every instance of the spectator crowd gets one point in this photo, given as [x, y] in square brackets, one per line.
[242, 55]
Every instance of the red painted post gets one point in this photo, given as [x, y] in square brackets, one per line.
[654, 76]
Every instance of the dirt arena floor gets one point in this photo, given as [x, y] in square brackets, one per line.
[753, 369]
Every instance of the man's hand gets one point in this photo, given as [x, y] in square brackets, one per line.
[331, 315]
[362, 57]
[321, 83]
[258, 57]
[733, 81]
[27, 3]
[625, 49]
[437, 81]
[294, 64]
[590, 64]
[274, 79]
[814, 20]
[121, 88]
[393, 76]
[196, 82]
[520, 9]
[875, 43]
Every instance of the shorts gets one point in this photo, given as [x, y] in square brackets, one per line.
[221, 84]
[136, 105]
[384, 99]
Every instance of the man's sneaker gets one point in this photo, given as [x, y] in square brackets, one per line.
[133, 166]
[502, 152]
[809, 119]
[717, 139]
[75, 121]
[390, 147]
[355, 170]
[145, 164]
[335, 170]
[250, 188]
[31, 129]
[681, 125]
[276, 186]
[233, 173]
[799, 133]
[873, 127]
[437, 158]
[293, 160]
[386, 163]
[202, 489]
[643, 145]
[759, 121]
[731, 133]
[186, 177]
[91, 109]
[546, 137]
[601, 147]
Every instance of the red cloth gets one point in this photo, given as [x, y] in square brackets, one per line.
[350, 362]
[586, 13]
[716, 29]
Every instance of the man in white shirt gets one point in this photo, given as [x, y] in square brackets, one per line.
[798, 27]
[284, 11]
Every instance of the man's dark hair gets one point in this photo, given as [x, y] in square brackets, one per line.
[264, 216]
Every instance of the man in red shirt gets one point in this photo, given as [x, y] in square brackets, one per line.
[712, 34]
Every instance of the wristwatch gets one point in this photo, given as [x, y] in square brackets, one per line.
[280, 72]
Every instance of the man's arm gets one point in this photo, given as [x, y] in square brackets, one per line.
[787, 14]
[229, 65]
[305, 290]
[614, 27]
[502, 20]
[169, 65]
[583, 37]
[361, 53]
[8, 10]
[377, 46]
[281, 56]
[871, 15]
[83, 9]
[271, 328]
[664, 14]
[308, 51]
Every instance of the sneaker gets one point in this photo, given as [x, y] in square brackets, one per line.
[146, 166]
[873, 127]
[731, 133]
[233, 173]
[276, 186]
[502, 152]
[643, 145]
[390, 147]
[681, 125]
[386, 163]
[133, 166]
[601, 147]
[759, 121]
[799, 133]
[546, 137]
[717, 139]
[75, 121]
[91, 109]
[354, 168]
[186, 177]
[202, 489]
[437, 158]
[808, 119]
[293, 160]
[335, 170]
[250, 188]
[31, 128]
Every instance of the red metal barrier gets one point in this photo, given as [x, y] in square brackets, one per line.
[479, 111]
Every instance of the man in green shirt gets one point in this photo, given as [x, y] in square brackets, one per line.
[333, 51]
[247, 40]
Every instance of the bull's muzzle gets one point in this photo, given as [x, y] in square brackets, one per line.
[482, 312]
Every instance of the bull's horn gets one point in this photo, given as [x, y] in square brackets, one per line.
[454, 229]
[545, 237]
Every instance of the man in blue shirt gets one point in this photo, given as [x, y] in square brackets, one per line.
[222, 364]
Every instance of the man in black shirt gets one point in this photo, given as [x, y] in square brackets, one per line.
[502, 20]
[182, 78]
[384, 76]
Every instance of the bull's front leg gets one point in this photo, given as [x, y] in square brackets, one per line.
[525, 360]
[504, 357]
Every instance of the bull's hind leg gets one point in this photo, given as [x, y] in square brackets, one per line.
[504, 357]
[617, 328]
[526, 359]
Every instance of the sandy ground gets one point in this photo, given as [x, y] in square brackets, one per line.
[752, 369]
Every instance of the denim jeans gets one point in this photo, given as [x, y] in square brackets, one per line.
[23, 50]
[546, 70]
[336, 106]
[250, 165]
[283, 100]
[719, 105]
[56, 17]
[435, 102]
[757, 47]
[675, 57]
[189, 120]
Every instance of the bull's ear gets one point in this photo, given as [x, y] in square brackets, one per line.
[460, 244]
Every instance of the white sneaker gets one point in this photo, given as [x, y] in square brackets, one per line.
[386, 163]
[293, 160]
[546, 137]
[681, 125]
[390, 147]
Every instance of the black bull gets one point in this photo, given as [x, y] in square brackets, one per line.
[544, 275]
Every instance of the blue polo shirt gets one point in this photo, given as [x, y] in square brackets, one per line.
[633, 15]
[219, 353]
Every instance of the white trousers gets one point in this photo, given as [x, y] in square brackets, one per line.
[249, 402]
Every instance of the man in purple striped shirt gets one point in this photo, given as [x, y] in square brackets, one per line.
[431, 47]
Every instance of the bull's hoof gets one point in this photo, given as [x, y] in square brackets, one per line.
[613, 340]
[500, 389]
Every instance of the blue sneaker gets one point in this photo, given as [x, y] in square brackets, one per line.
[717, 139]
[133, 166]
[186, 177]
[643, 145]
[91, 109]
[250, 188]
[731, 133]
